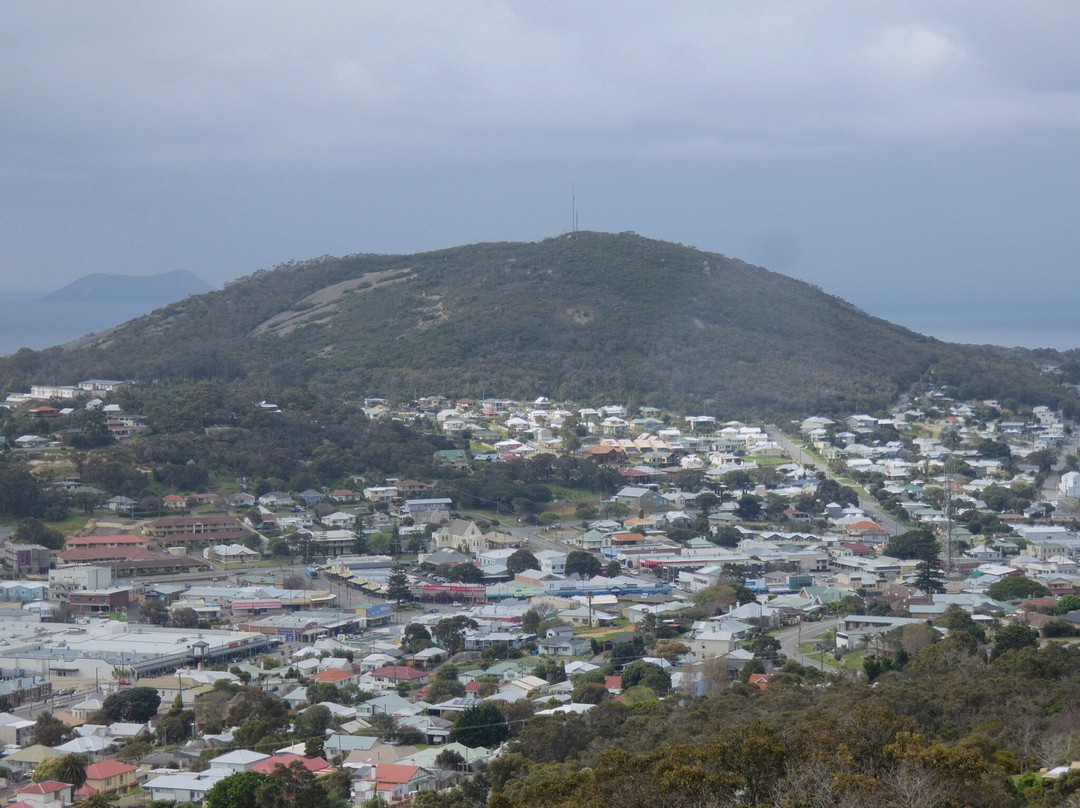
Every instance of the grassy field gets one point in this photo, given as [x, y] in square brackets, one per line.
[70, 526]
[851, 661]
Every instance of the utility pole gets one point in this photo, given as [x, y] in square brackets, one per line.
[949, 520]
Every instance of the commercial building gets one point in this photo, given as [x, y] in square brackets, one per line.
[27, 559]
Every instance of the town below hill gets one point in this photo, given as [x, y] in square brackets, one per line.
[220, 599]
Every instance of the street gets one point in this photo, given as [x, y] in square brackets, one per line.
[529, 533]
[791, 637]
[870, 506]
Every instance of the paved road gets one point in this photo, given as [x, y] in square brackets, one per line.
[531, 533]
[32, 709]
[791, 637]
[1050, 485]
[796, 452]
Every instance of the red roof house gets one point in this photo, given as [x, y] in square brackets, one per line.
[316, 765]
[107, 776]
[332, 676]
[392, 675]
[396, 781]
[46, 794]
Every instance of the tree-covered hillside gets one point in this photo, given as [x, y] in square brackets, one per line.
[588, 316]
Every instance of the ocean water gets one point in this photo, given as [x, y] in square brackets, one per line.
[29, 321]
[1049, 326]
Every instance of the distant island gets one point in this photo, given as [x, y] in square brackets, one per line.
[88, 305]
[148, 291]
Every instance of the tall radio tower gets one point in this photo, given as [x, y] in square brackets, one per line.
[573, 207]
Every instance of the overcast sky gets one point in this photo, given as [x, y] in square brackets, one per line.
[909, 157]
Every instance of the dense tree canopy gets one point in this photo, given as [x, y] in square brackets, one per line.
[137, 704]
[920, 544]
[50, 730]
[648, 674]
[482, 725]
[579, 562]
[521, 560]
[1017, 587]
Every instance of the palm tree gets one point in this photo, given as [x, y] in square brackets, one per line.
[71, 768]
[98, 799]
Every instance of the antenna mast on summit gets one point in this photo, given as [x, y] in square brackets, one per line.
[573, 207]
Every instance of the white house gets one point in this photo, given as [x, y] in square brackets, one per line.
[1069, 485]
[185, 786]
[239, 760]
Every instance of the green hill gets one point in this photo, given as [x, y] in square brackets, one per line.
[587, 316]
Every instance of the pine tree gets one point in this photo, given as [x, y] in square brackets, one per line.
[360, 544]
[928, 575]
[397, 584]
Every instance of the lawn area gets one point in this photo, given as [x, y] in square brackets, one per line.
[261, 563]
[851, 661]
[490, 515]
[71, 525]
[572, 495]
[624, 631]
[769, 460]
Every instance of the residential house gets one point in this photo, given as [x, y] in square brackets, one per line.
[341, 743]
[452, 458]
[46, 794]
[638, 498]
[1069, 484]
[241, 501]
[185, 786]
[120, 504]
[428, 510]
[394, 782]
[93, 747]
[522, 688]
[123, 732]
[508, 670]
[381, 493]
[390, 676]
[561, 642]
[481, 640]
[315, 765]
[108, 777]
[24, 761]
[32, 442]
[388, 704]
[312, 497]
[276, 499]
[334, 676]
[174, 502]
[88, 706]
[713, 643]
[339, 520]
[552, 561]
[14, 730]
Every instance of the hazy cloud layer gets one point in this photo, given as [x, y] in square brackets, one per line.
[871, 148]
